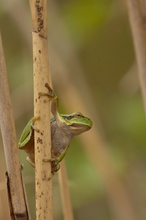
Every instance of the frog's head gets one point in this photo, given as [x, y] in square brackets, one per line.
[77, 123]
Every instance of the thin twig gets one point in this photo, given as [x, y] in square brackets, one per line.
[17, 200]
[41, 109]
[137, 17]
[65, 194]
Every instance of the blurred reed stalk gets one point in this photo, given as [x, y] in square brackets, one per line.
[65, 194]
[137, 18]
[16, 191]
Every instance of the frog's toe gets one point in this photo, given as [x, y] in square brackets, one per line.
[55, 167]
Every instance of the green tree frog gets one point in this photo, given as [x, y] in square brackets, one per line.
[63, 128]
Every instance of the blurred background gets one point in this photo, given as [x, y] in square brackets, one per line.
[94, 71]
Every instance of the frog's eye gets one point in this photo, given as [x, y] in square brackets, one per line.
[68, 117]
[79, 115]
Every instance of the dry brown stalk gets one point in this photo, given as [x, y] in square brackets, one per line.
[16, 194]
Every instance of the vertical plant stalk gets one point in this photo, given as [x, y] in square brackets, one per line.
[43, 182]
[137, 17]
[65, 194]
[16, 195]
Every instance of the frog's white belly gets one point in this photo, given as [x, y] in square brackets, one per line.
[60, 138]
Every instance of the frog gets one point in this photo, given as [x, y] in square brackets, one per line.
[64, 127]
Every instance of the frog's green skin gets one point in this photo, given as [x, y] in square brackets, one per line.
[63, 128]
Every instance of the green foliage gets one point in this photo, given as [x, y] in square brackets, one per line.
[83, 18]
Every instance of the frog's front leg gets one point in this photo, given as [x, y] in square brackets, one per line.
[55, 162]
[50, 94]
[52, 97]
[60, 157]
